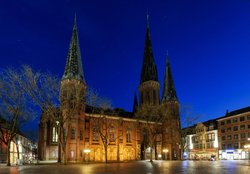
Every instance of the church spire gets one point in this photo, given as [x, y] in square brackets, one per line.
[149, 70]
[73, 68]
[169, 93]
[135, 106]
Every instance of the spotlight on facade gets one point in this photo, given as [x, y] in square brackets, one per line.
[86, 150]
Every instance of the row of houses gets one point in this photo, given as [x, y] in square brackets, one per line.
[225, 138]
[22, 149]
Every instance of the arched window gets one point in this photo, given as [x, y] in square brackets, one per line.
[54, 135]
[111, 134]
[73, 133]
[95, 131]
[128, 135]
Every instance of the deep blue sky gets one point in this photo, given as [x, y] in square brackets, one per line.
[208, 43]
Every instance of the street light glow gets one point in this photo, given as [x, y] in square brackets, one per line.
[86, 150]
[165, 150]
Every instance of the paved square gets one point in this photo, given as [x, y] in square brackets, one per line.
[140, 167]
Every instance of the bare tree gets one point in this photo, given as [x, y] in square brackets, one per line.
[154, 117]
[100, 110]
[72, 105]
[15, 108]
[189, 119]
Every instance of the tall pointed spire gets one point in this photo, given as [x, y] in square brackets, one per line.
[149, 70]
[169, 92]
[73, 68]
[135, 106]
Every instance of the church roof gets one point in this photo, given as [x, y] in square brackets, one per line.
[73, 68]
[169, 92]
[149, 70]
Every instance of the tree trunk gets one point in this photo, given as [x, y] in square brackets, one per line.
[8, 154]
[151, 154]
[17, 149]
[59, 159]
[118, 151]
[106, 153]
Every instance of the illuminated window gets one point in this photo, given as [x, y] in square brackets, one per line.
[54, 135]
[95, 133]
[128, 135]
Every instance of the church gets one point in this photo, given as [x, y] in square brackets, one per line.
[151, 131]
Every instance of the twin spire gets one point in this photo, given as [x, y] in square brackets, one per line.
[169, 92]
[149, 70]
[73, 68]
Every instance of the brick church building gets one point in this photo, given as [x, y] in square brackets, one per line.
[96, 136]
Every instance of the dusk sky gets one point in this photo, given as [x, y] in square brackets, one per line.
[208, 42]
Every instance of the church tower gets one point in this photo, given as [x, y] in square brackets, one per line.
[171, 139]
[149, 85]
[72, 98]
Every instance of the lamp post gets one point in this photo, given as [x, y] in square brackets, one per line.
[165, 151]
[87, 151]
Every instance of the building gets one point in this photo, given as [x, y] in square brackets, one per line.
[234, 134]
[117, 136]
[201, 141]
[20, 148]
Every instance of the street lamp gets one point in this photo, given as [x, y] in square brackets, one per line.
[87, 151]
[165, 151]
